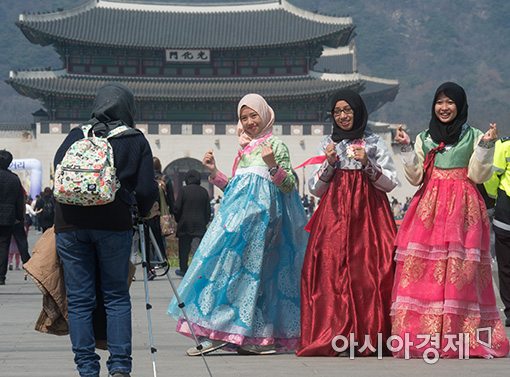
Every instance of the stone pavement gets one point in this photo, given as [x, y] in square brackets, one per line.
[25, 352]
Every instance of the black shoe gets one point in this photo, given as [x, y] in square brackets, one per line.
[507, 322]
[179, 272]
[10, 267]
[151, 275]
[2, 282]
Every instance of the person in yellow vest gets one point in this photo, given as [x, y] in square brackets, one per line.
[498, 187]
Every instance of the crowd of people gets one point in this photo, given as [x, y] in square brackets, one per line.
[291, 273]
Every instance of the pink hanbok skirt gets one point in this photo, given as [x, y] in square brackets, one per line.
[443, 300]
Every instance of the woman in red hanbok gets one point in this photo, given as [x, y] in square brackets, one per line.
[348, 269]
[443, 297]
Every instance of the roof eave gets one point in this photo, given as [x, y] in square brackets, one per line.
[33, 35]
[336, 39]
[25, 89]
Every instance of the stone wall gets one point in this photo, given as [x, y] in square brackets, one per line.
[169, 147]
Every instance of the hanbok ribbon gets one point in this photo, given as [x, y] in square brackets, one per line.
[313, 161]
[428, 164]
[247, 149]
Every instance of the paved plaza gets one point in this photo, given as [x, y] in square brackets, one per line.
[25, 352]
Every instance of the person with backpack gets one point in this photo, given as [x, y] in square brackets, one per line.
[46, 206]
[94, 234]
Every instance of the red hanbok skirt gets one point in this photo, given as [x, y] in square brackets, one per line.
[348, 269]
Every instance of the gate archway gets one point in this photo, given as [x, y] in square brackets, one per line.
[177, 170]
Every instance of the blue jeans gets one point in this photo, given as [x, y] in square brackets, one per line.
[83, 253]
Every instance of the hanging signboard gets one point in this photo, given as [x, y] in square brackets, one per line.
[188, 56]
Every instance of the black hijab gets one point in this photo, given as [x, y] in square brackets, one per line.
[360, 116]
[449, 133]
[114, 102]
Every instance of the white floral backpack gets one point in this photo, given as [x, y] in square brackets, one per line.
[87, 175]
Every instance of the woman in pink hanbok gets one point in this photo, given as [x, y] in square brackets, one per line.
[443, 299]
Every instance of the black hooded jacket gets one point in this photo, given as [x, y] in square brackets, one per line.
[113, 106]
[12, 204]
[192, 208]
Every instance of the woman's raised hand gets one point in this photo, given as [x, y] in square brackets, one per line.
[491, 134]
[331, 154]
[402, 137]
[209, 162]
[360, 154]
[268, 156]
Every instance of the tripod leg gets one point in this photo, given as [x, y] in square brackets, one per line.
[159, 260]
[178, 298]
[148, 306]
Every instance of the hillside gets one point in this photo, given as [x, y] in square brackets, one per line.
[419, 43]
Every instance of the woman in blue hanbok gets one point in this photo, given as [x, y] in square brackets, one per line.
[241, 290]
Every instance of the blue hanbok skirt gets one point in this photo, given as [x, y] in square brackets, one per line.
[243, 285]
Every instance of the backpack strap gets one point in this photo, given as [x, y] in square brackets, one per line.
[85, 128]
[88, 128]
[117, 131]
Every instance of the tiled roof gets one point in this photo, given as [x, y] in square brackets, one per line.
[338, 60]
[39, 83]
[211, 26]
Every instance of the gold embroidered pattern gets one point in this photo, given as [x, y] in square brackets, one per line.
[485, 219]
[426, 209]
[412, 270]
[459, 173]
[472, 214]
[451, 203]
[460, 272]
[469, 327]
[430, 324]
[447, 324]
[484, 276]
[498, 334]
[397, 324]
[440, 271]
